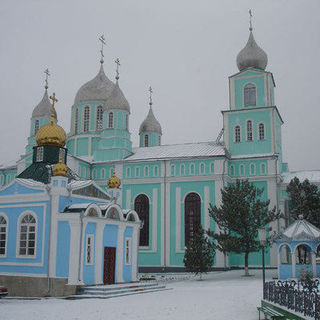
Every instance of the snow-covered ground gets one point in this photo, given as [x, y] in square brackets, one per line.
[220, 296]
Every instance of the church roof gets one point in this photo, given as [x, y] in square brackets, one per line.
[252, 55]
[186, 150]
[43, 109]
[150, 123]
[300, 230]
[311, 175]
[97, 89]
[117, 100]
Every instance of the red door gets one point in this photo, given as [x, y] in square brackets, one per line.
[109, 265]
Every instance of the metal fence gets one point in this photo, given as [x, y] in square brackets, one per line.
[299, 296]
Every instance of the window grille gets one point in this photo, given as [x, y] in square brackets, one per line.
[27, 243]
[128, 251]
[99, 120]
[36, 126]
[261, 131]
[86, 119]
[39, 154]
[249, 130]
[249, 95]
[89, 250]
[110, 120]
[76, 121]
[237, 134]
[3, 235]
[146, 140]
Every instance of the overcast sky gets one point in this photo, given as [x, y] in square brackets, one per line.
[184, 49]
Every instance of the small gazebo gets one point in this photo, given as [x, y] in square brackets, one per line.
[298, 250]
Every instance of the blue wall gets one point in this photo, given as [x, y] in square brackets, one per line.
[63, 249]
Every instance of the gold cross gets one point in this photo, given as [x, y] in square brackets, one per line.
[53, 98]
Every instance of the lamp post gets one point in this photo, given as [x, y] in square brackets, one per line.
[262, 232]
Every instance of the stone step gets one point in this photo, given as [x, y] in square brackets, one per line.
[118, 287]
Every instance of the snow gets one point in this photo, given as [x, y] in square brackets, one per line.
[220, 296]
[311, 175]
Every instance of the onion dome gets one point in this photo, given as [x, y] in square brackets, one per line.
[59, 169]
[43, 109]
[150, 123]
[252, 55]
[51, 134]
[117, 100]
[114, 181]
[97, 89]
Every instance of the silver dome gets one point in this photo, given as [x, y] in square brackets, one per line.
[252, 56]
[97, 89]
[44, 108]
[117, 100]
[150, 124]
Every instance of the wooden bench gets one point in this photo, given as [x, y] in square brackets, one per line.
[273, 314]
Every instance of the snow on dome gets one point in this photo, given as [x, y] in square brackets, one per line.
[252, 56]
[97, 89]
[150, 124]
[43, 109]
[117, 100]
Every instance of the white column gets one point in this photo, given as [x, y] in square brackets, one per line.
[98, 253]
[135, 246]
[167, 223]
[293, 260]
[154, 219]
[162, 226]
[178, 219]
[206, 208]
[74, 252]
[119, 265]
[128, 200]
[314, 265]
[279, 262]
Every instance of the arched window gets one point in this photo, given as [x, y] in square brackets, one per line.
[173, 170]
[191, 169]
[36, 126]
[128, 172]
[249, 130]
[27, 237]
[232, 170]
[211, 167]
[242, 170]
[1, 179]
[237, 134]
[86, 119]
[99, 120]
[76, 121]
[137, 173]
[252, 169]
[263, 168]
[182, 170]
[285, 255]
[141, 206]
[261, 131]
[94, 174]
[3, 235]
[146, 171]
[202, 168]
[110, 120]
[146, 140]
[303, 254]
[192, 216]
[249, 95]
[159, 140]
[110, 172]
[103, 173]
[155, 171]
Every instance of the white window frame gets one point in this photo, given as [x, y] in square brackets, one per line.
[103, 173]
[99, 118]
[244, 99]
[235, 134]
[146, 140]
[89, 246]
[1, 179]
[264, 131]
[252, 172]
[265, 167]
[128, 172]
[249, 133]
[173, 170]
[211, 167]
[146, 171]
[159, 140]
[232, 170]
[94, 174]
[6, 226]
[155, 171]
[76, 120]
[39, 156]
[110, 172]
[36, 126]
[242, 170]
[86, 119]
[127, 251]
[137, 171]
[127, 122]
[202, 168]
[182, 170]
[35, 225]
[192, 169]
[111, 120]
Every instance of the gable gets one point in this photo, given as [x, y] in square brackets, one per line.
[17, 188]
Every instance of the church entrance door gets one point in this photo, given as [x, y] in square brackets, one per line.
[109, 265]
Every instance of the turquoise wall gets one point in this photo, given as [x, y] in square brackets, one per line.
[154, 139]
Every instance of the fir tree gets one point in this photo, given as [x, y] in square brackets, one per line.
[304, 200]
[241, 213]
[199, 254]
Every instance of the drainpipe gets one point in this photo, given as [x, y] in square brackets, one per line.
[80, 247]
[48, 188]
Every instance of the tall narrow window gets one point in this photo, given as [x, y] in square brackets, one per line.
[182, 170]
[99, 120]
[155, 171]
[110, 120]
[62, 155]
[249, 130]
[237, 134]
[39, 154]
[76, 121]
[242, 170]
[27, 241]
[232, 170]
[103, 173]
[211, 167]
[1, 179]
[128, 251]
[137, 172]
[263, 168]
[36, 126]
[89, 249]
[192, 216]
[202, 168]
[146, 140]
[128, 172]
[86, 119]
[261, 131]
[146, 171]
[141, 206]
[173, 170]
[192, 169]
[127, 122]
[159, 140]
[252, 169]
[249, 95]
[3, 236]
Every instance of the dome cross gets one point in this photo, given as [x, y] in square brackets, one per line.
[54, 99]
[250, 20]
[117, 62]
[103, 43]
[47, 76]
[150, 96]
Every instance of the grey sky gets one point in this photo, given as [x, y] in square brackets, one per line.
[184, 49]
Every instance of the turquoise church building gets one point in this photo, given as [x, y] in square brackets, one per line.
[171, 186]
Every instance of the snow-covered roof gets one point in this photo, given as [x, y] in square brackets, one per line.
[300, 230]
[30, 182]
[311, 175]
[186, 150]
[8, 165]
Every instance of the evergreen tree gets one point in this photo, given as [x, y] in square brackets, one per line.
[304, 200]
[199, 254]
[241, 213]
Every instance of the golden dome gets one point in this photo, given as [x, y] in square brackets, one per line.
[60, 169]
[114, 181]
[51, 134]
